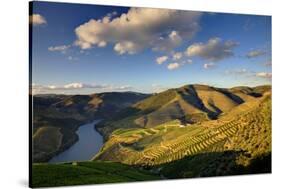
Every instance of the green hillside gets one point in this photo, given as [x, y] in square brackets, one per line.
[47, 175]
[192, 131]
[57, 117]
[189, 104]
[244, 132]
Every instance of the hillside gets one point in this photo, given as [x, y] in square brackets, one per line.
[50, 175]
[192, 131]
[189, 104]
[237, 142]
[57, 117]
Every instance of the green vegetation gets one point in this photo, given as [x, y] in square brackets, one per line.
[87, 173]
[242, 136]
[63, 114]
[46, 140]
[192, 131]
[190, 104]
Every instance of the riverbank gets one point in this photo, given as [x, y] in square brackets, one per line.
[89, 143]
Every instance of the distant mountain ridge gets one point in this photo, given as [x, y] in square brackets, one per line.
[59, 116]
[238, 141]
[190, 104]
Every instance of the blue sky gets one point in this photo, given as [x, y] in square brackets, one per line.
[82, 49]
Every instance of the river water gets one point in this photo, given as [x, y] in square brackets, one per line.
[89, 144]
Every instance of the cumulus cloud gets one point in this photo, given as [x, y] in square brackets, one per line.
[213, 50]
[37, 19]
[61, 48]
[127, 47]
[177, 56]
[139, 28]
[173, 66]
[255, 53]
[209, 65]
[161, 59]
[168, 44]
[264, 75]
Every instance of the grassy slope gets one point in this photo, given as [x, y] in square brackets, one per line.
[248, 151]
[46, 140]
[245, 133]
[66, 113]
[235, 144]
[86, 173]
[238, 142]
[190, 104]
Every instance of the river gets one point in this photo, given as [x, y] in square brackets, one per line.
[89, 144]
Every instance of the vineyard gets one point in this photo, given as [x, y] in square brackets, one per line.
[246, 128]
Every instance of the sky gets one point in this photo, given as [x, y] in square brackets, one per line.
[84, 49]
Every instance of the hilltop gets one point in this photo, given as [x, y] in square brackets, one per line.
[190, 104]
[191, 131]
[237, 142]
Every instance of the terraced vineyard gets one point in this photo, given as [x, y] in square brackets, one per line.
[173, 141]
[188, 136]
[210, 140]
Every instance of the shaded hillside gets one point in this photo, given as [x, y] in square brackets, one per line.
[190, 104]
[237, 142]
[57, 117]
[47, 175]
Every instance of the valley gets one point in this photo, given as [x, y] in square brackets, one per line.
[191, 131]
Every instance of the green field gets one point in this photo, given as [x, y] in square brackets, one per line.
[87, 173]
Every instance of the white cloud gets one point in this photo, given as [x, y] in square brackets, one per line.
[139, 28]
[173, 66]
[255, 53]
[37, 19]
[237, 71]
[264, 75]
[126, 47]
[209, 65]
[168, 44]
[102, 44]
[76, 86]
[177, 56]
[161, 59]
[123, 88]
[214, 50]
[83, 85]
[61, 48]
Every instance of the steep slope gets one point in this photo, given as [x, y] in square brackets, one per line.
[47, 140]
[57, 117]
[232, 144]
[190, 104]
